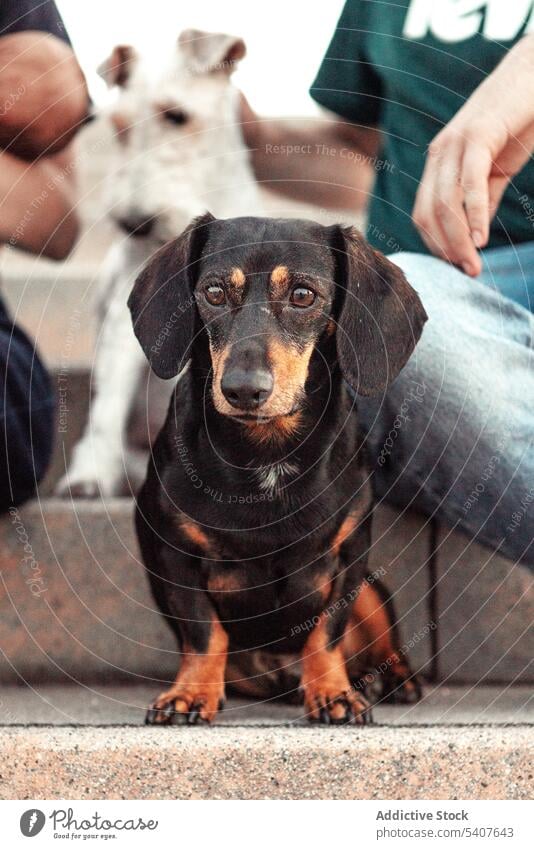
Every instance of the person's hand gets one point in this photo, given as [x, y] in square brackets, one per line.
[471, 161]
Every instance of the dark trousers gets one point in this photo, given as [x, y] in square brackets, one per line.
[26, 415]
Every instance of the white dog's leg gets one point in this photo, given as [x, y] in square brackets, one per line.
[99, 460]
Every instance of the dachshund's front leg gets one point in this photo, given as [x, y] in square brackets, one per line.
[329, 697]
[198, 691]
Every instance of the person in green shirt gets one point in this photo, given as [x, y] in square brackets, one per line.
[430, 131]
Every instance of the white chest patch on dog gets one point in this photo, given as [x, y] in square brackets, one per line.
[271, 478]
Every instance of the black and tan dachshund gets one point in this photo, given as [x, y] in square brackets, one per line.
[254, 520]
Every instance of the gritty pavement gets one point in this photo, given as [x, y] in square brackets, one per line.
[80, 742]
[274, 763]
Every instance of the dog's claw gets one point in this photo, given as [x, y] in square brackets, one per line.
[194, 717]
[344, 709]
[352, 712]
[347, 716]
[178, 708]
[150, 716]
[324, 716]
[166, 714]
[366, 717]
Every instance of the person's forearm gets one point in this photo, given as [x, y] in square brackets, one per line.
[320, 161]
[43, 95]
[37, 211]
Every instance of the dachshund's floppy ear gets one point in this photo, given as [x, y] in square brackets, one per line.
[162, 303]
[381, 316]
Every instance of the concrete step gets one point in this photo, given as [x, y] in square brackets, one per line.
[485, 605]
[74, 596]
[457, 743]
[251, 763]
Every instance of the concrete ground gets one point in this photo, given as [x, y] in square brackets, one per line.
[69, 741]
[123, 705]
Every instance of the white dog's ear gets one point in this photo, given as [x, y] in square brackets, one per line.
[208, 52]
[116, 69]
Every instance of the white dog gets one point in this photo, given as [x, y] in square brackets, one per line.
[181, 152]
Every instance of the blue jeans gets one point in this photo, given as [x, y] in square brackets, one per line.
[453, 435]
[26, 415]
[510, 271]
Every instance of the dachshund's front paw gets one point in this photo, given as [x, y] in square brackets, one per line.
[329, 697]
[342, 708]
[181, 706]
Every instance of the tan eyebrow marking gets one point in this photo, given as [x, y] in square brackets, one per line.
[237, 277]
[280, 275]
[279, 282]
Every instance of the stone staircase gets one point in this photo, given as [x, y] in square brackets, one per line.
[77, 618]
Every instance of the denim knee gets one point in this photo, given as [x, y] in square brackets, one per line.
[26, 415]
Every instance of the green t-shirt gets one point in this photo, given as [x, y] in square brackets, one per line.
[407, 66]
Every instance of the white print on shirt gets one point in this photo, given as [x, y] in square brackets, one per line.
[458, 20]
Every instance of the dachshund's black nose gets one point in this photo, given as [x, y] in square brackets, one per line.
[137, 225]
[246, 389]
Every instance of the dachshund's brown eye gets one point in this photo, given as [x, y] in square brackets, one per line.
[215, 295]
[301, 296]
